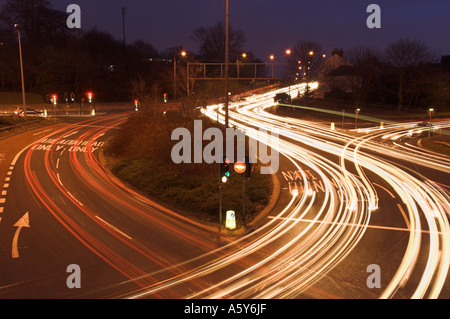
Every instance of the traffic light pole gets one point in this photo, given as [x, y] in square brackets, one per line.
[243, 199]
[220, 199]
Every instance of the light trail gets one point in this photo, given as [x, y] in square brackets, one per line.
[294, 249]
[421, 199]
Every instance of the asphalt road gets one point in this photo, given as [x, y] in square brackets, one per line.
[358, 216]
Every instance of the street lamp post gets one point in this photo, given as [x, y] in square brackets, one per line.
[21, 69]
[356, 118]
[182, 53]
[308, 74]
[430, 113]
[288, 53]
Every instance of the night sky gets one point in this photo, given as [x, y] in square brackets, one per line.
[271, 26]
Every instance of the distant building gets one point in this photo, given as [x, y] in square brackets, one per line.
[334, 74]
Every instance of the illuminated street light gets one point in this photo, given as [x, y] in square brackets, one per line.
[356, 118]
[21, 69]
[430, 113]
[182, 54]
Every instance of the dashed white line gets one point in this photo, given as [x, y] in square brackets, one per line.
[59, 179]
[42, 132]
[75, 199]
[111, 226]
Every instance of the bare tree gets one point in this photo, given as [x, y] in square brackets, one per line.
[39, 22]
[306, 58]
[405, 56]
[363, 73]
[212, 42]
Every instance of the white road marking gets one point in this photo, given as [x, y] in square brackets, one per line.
[59, 179]
[23, 222]
[42, 132]
[111, 226]
[74, 198]
[70, 134]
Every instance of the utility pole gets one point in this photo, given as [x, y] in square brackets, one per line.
[226, 65]
[124, 11]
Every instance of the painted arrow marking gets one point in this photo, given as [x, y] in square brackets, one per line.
[70, 134]
[23, 222]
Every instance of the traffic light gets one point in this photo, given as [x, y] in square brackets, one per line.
[90, 97]
[54, 99]
[165, 97]
[224, 169]
[136, 105]
[72, 97]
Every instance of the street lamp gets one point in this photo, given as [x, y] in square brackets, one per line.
[243, 55]
[430, 113]
[288, 52]
[182, 54]
[21, 69]
[271, 58]
[308, 74]
[356, 118]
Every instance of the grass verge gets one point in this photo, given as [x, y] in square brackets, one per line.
[143, 161]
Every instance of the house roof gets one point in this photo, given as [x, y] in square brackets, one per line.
[333, 63]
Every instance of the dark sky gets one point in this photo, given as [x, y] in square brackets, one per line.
[271, 26]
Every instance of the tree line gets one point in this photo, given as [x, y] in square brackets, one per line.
[405, 74]
[58, 60]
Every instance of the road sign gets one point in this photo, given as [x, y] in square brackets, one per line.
[239, 167]
[231, 220]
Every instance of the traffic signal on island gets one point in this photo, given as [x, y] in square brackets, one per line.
[224, 169]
